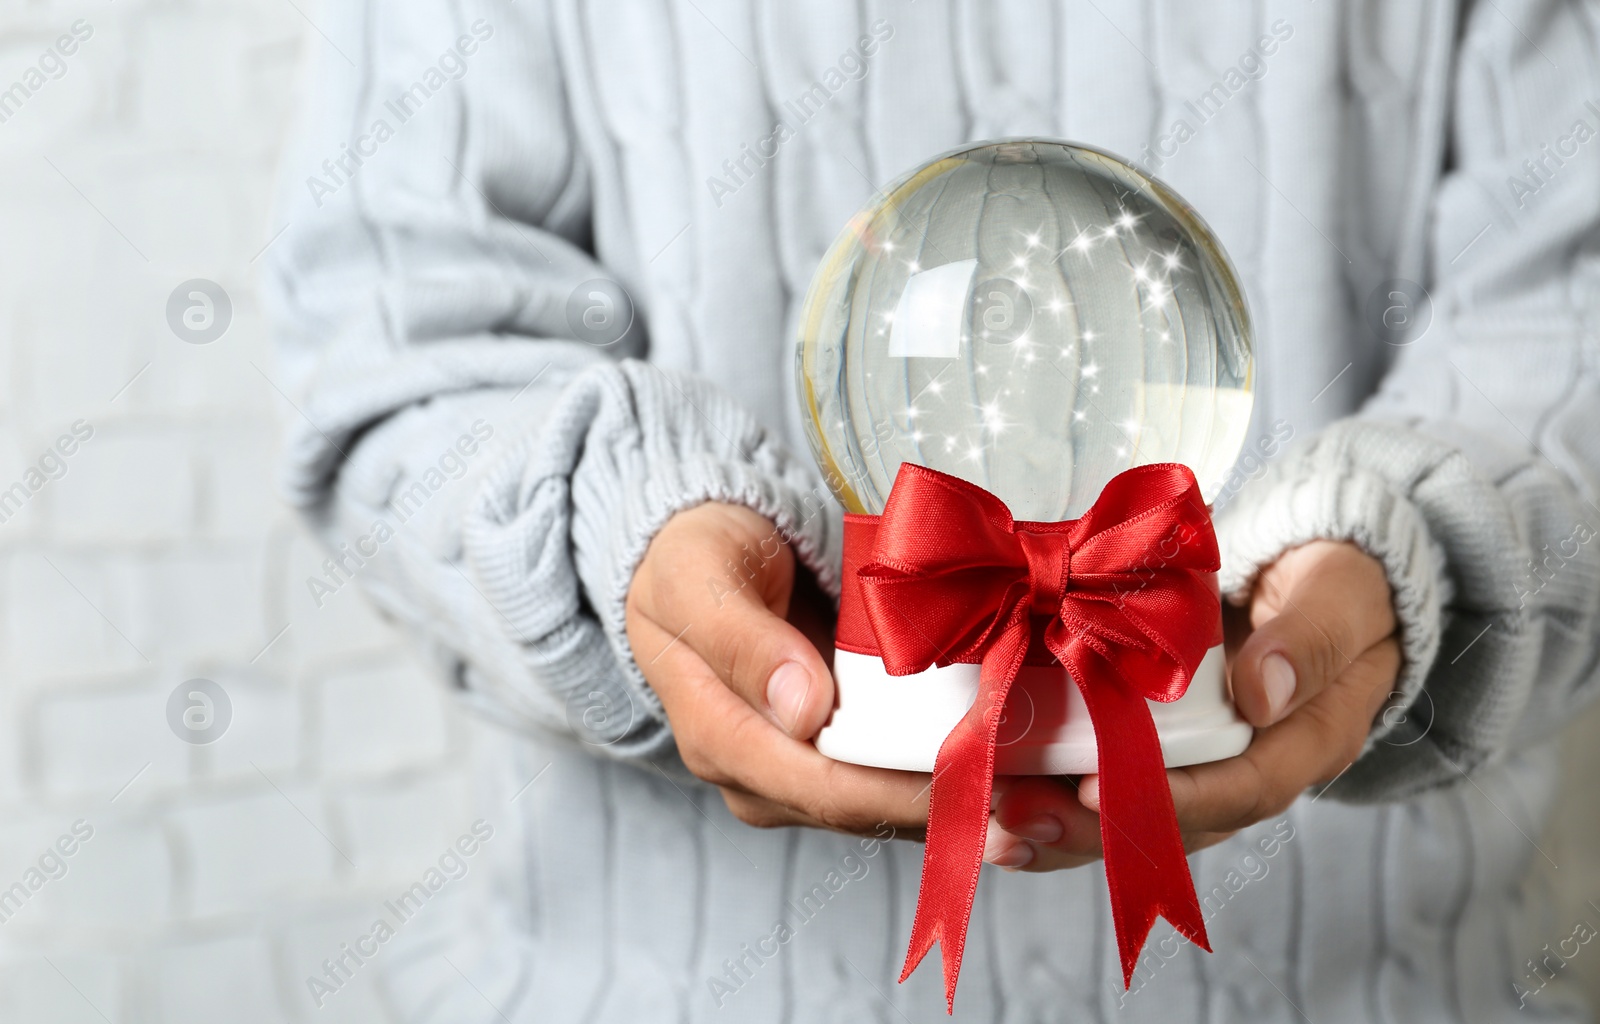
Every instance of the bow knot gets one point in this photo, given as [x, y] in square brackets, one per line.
[1049, 557]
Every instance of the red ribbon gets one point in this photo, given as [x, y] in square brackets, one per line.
[1124, 598]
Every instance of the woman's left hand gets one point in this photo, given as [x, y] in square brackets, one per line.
[1312, 660]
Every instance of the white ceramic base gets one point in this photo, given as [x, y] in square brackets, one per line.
[901, 721]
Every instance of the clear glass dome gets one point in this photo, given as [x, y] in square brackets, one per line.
[1029, 315]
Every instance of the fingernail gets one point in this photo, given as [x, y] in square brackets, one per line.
[1004, 851]
[1044, 829]
[787, 689]
[1019, 856]
[1277, 678]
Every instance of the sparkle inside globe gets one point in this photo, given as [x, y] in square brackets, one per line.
[1031, 316]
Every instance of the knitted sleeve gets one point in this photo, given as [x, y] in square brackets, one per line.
[1472, 473]
[470, 433]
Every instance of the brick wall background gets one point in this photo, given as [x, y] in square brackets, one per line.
[218, 876]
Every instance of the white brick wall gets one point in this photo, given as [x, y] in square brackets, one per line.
[218, 876]
[224, 873]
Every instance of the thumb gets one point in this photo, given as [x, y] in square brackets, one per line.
[735, 622]
[768, 662]
[1332, 603]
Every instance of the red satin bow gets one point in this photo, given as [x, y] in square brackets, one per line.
[1123, 598]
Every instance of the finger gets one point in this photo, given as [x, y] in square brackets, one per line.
[1040, 825]
[725, 741]
[1007, 850]
[1193, 840]
[759, 812]
[1315, 744]
[1333, 602]
[735, 621]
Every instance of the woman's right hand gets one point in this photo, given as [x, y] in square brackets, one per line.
[719, 627]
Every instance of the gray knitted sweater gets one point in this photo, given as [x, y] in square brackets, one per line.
[467, 168]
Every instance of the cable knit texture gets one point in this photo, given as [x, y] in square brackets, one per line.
[423, 301]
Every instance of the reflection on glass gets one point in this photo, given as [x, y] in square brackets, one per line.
[1032, 316]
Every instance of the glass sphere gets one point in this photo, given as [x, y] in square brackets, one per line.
[1032, 316]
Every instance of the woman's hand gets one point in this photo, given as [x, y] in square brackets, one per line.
[739, 653]
[1312, 661]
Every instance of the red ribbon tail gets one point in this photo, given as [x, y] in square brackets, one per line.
[1147, 872]
[958, 814]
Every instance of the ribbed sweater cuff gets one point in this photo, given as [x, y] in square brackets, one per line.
[693, 445]
[559, 536]
[1315, 494]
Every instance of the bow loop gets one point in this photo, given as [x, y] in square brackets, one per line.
[924, 503]
[1147, 519]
